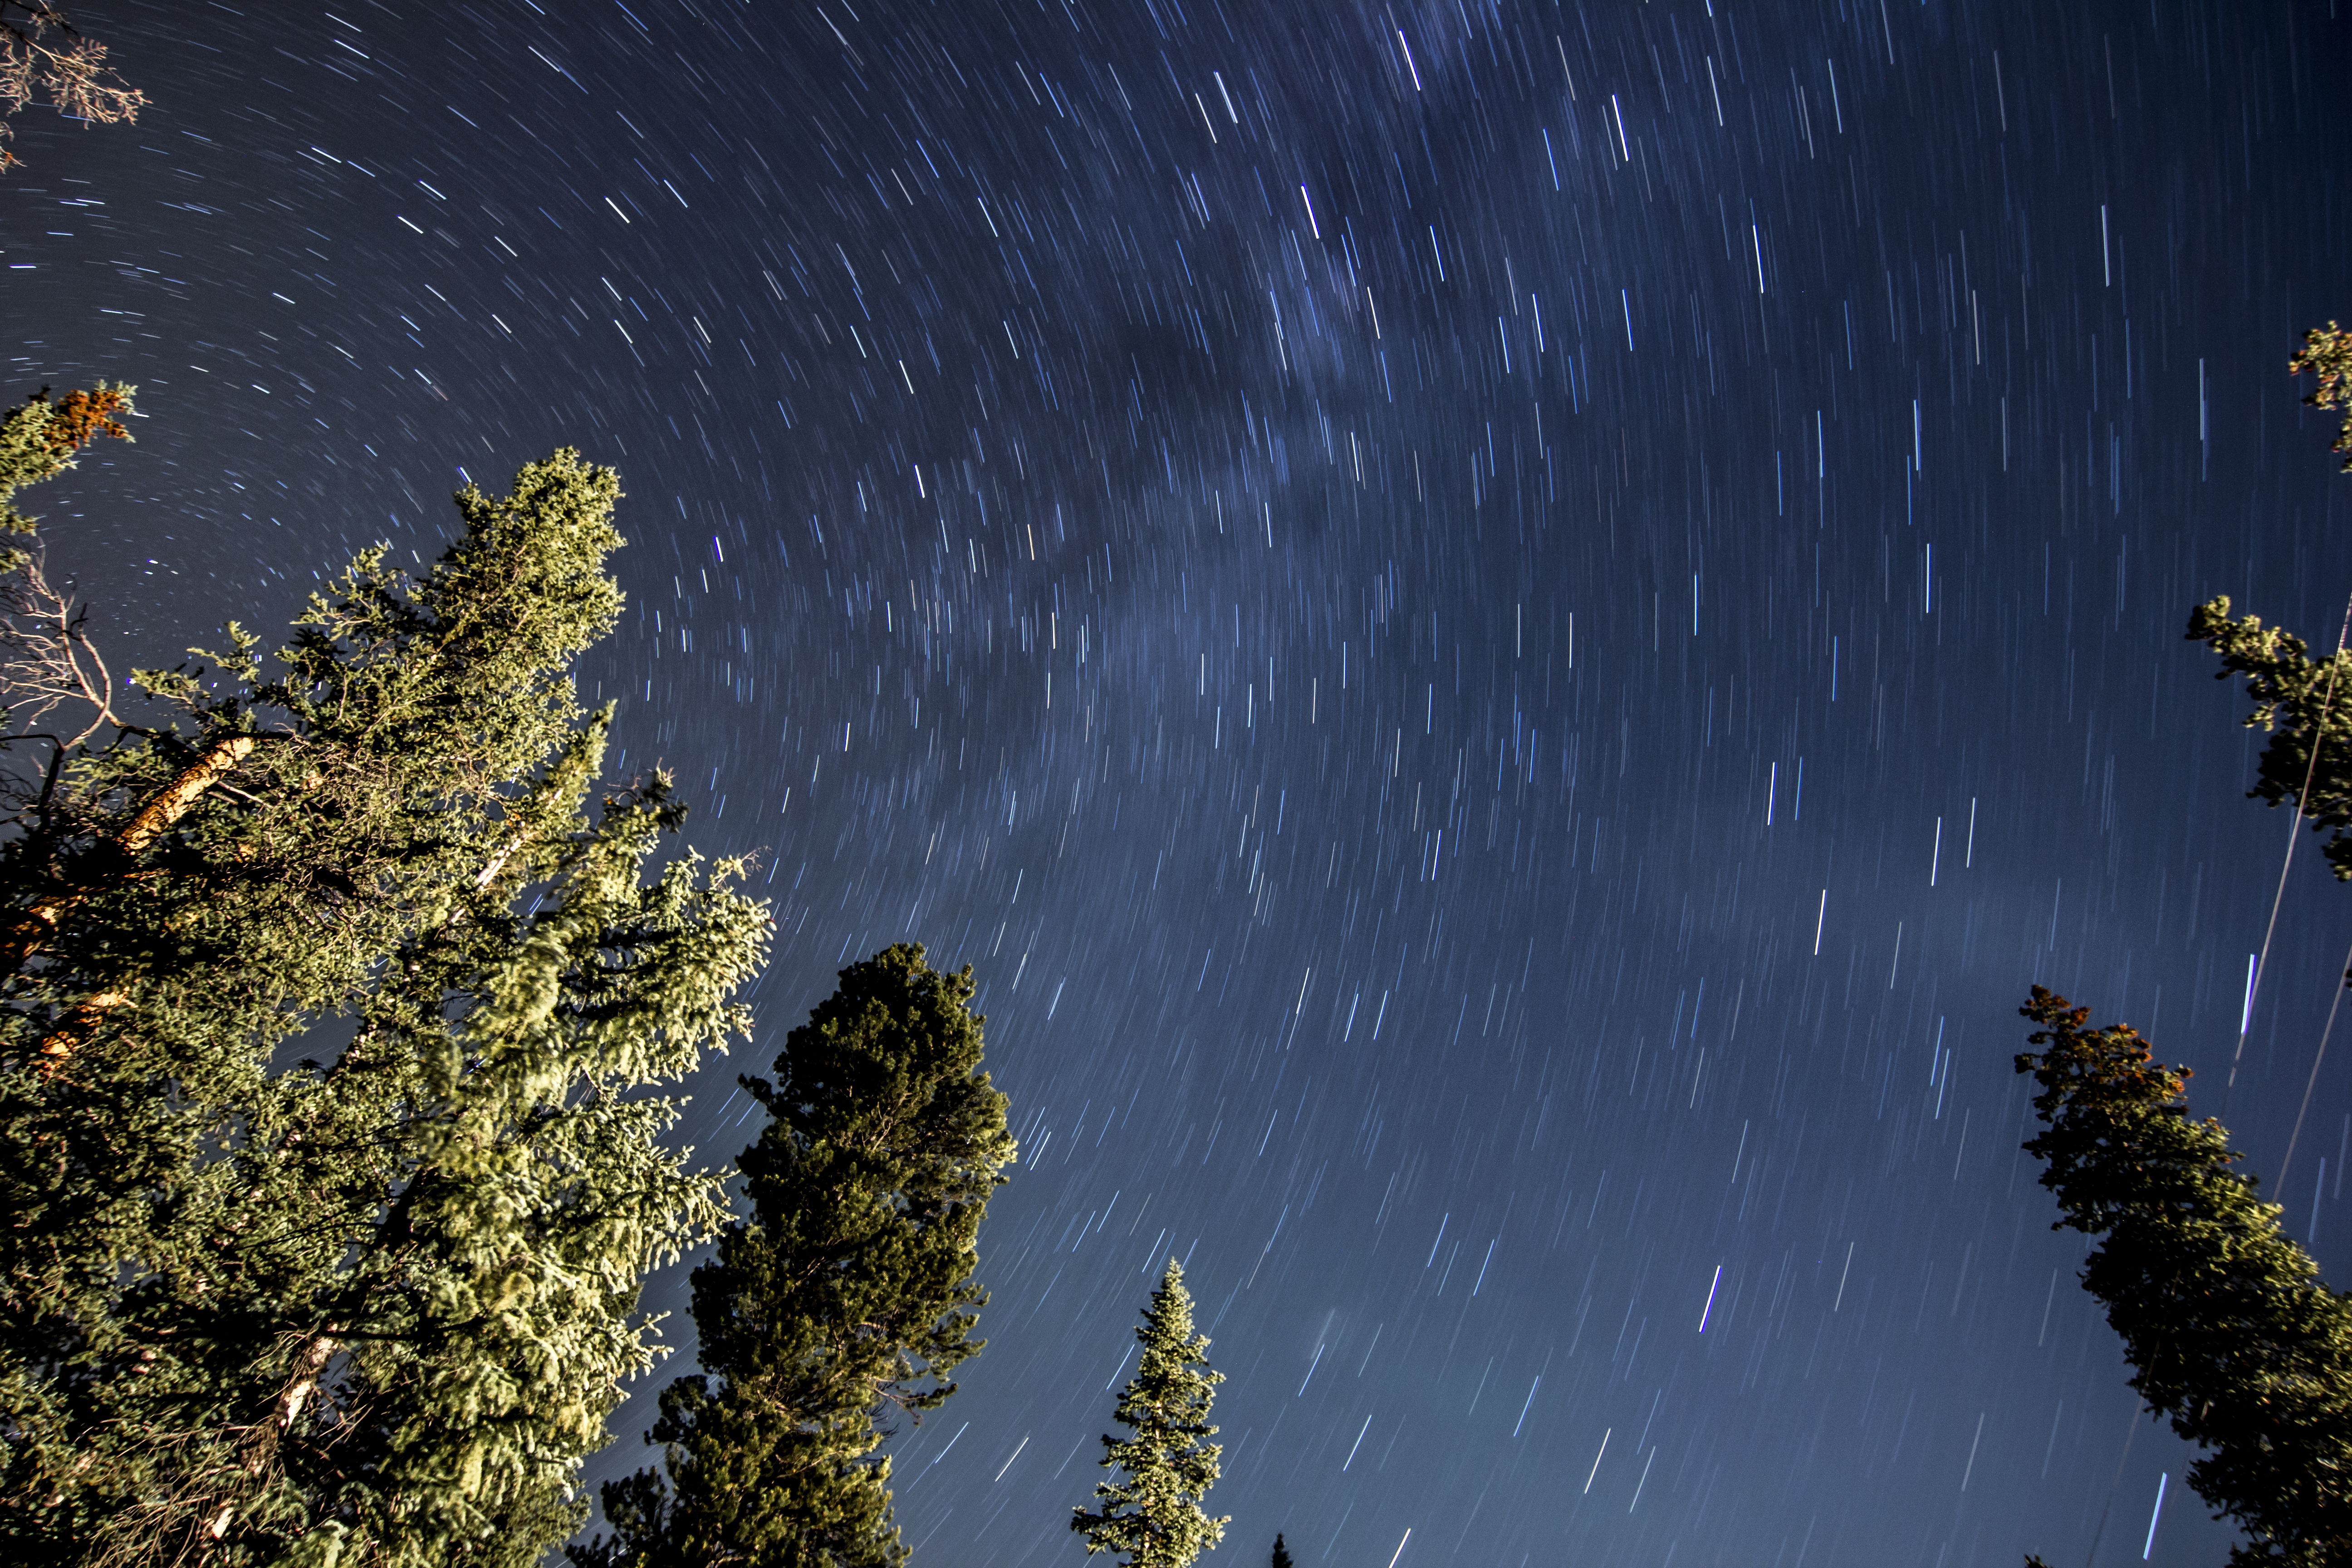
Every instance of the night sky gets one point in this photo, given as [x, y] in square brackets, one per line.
[1506, 632]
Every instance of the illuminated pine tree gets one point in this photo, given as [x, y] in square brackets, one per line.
[2304, 704]
[374, 1304]
[1150, 1508]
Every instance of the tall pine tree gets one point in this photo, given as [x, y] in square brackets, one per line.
[1153, 1514]
[373, 1305]
[847, 1295]
[1281, 1552]
[2224, 1319]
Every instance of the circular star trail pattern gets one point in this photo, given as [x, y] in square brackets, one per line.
[1506, 634]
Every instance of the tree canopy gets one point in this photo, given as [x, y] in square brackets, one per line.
[44, 56]
[2326, 353]
[2304, 704]
[326, 1005]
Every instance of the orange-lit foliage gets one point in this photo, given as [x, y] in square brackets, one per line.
[81, 417]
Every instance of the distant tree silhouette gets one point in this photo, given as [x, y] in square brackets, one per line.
[1281, 1552]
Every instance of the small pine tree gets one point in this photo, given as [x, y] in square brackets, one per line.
[1281, 1552]
[1154, 1515]
[848, 1293]
[2225, 1320]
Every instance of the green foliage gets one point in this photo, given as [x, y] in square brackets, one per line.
[2230, 1331]
[371, 1307]
[2326, 353]
[2306, 707]
[846, 1295]
[1154, 1515]
[1281, 1552]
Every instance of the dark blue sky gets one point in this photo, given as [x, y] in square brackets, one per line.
[1506, 632]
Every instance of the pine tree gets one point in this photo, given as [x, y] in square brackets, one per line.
[1154, 1515]
[373, 1305]
[1281, 1552]
[847, 1295]
[2224, 1319]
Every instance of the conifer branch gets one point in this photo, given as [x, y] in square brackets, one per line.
[157, 817]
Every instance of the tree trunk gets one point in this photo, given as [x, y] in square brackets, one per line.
[154, 819]
[220, 759]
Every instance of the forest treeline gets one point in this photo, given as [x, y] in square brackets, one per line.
[339, 999]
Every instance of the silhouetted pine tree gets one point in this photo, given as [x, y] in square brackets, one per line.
[847, 1292]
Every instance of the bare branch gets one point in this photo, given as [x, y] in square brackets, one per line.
[47, 658]
[41, 55]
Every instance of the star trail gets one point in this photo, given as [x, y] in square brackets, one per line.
[1506, 631]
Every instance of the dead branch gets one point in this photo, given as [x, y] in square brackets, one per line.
[41, 55]
[46, 658]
